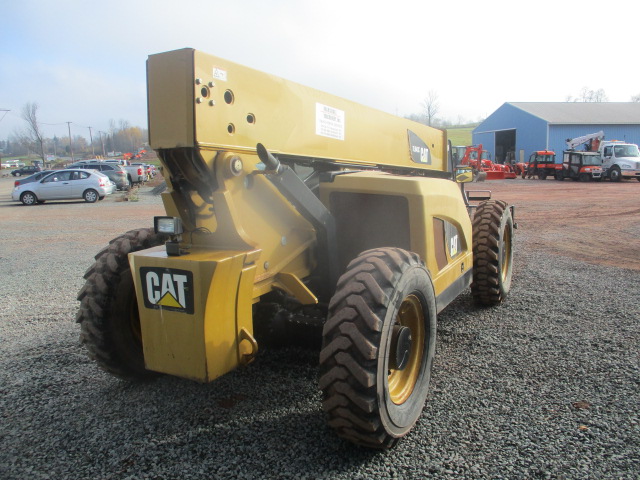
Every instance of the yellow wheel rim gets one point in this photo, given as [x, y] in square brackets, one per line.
[402, 382]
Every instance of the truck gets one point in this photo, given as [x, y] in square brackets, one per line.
[286, 202]
[136, 174]
[620, 160]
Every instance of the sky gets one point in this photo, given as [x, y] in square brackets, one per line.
[84, 61]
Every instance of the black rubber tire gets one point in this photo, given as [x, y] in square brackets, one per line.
[559, 176]
[29, 198]
[542, 175]
[108, 314]
[90, 196]
[584, 177]
[378, 289]
[615, 174]
[492, 252]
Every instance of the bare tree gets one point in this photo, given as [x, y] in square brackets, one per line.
[431, 106]
[587, 95]
[34, 131]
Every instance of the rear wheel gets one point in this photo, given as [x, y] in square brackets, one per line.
[28, 198]
[378, 347]
[90, 196]
[108, 314]
[492, 252]
[559, 175]
[542, 175]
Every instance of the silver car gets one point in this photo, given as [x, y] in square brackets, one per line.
[70, 184]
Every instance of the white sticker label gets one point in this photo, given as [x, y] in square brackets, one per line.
[219, 74]
[329, 122]
[453, 250]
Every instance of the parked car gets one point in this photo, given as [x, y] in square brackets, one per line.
[116, 173]
[26, 170]
[68, 184]
[32, 178]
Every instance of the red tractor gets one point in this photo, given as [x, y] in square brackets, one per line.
[480, 161]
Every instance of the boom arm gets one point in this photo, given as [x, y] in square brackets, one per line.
[197, 100]
[572, 143]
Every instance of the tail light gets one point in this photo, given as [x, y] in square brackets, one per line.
[140, 171]
[16, 183]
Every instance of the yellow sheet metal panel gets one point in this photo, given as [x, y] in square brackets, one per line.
[170, 99]
[427, 198]
[235, 107]
[188, 310]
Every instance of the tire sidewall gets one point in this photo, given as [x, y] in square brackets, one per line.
[398, 419]
[506, 225]
[128, 348]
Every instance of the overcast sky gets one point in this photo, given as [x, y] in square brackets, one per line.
[84, 61]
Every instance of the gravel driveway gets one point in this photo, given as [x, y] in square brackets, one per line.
[545, 386]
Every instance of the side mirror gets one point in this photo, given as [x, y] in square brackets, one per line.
[464, 174]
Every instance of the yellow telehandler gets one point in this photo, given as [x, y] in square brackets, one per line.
[284, 201]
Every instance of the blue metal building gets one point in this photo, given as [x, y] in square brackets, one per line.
[524, 127]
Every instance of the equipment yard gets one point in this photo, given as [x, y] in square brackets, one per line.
[545, 385]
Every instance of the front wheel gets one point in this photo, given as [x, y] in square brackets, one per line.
[378, 346]
[585, 177]
[615, 174]
[108, 314]
[492, 252]
[542, 175]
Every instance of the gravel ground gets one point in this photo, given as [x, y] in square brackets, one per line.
[545, 386]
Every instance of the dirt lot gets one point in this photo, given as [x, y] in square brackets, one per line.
[596, 222]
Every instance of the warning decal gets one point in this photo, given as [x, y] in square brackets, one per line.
[329, 122]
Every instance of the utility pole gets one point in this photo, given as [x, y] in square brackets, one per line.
[102, 141]
[70, 145]
[91, 140]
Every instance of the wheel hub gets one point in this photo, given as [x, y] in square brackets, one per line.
[400, 347]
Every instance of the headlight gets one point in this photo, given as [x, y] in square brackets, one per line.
[625, 165]
[167, 225]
